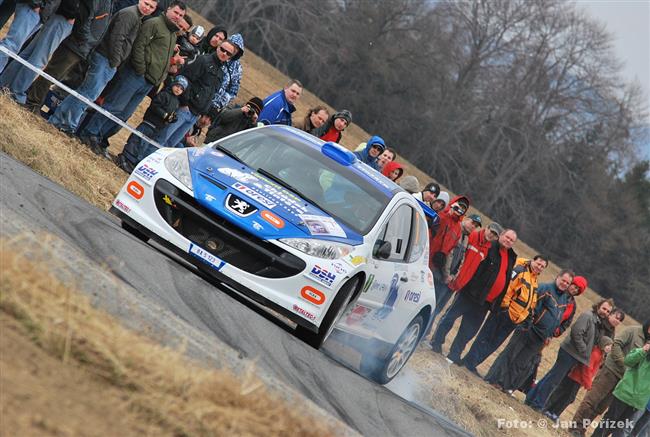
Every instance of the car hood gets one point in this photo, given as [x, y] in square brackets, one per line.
[268, 210]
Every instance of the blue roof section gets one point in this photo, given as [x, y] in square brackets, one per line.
[385, 185]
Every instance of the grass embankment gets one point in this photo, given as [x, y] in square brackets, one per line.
[69, 369]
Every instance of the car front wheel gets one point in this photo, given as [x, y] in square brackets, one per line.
[383, 369]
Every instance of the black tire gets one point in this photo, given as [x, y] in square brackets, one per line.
[133, 231]
[336, 310]
[383, 369]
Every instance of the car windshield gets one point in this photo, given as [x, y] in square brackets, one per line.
[333, 187]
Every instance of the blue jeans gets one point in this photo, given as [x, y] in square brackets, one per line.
[537, 397]
[136, 149]
[494, 332]
[122, 101]
[473, 315]
[172, 134]
[26, 22]
[18, 78]
[68, 113]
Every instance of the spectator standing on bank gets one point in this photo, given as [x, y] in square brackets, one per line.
[27, 20]
[235, 120]
[160, 113]
[411, 185]
[315, 118]
[575, 349]
[56, 28]
[631, 394]
[374, 147]
[393, 171]
[212, 40]
[580, 376]
[148, 66]
[333, 128]
[599, 397]
[279, 106]
[232, 75]
[89, 28]
[429, 193]
[512, 366]
[473, 302]
[514, 309]
[440, 202]
[113, 50]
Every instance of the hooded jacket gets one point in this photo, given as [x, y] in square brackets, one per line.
[570, 310]
[630, 338]
[117, 43]
[161, 106]
[447, 234]
[232, 75]
[153, 48]
[277, 109]
[584, 334]
[551, 303]
[364, 155]
[230, 121]
[634, 388]
[584, 375]
[477, 249]
[204, 46]
[388, 169]
[479, 285]
[205, 75]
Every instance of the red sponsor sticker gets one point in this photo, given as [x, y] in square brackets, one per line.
[312, 295]
[304, 313]
[135, 190]
[272, 218]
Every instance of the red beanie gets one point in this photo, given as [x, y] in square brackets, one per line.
[581, 283]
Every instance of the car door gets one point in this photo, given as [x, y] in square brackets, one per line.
[389, 273]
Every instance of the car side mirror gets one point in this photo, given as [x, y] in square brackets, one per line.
[382, 249]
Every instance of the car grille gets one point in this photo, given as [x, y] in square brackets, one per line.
[221, 237]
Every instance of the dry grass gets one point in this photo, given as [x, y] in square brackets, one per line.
[156, 384]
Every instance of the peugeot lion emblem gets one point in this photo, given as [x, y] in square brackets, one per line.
[239, 206]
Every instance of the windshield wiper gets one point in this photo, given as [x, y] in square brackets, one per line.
[274, 178]
[228, 153]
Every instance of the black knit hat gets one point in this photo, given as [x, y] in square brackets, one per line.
[344, 114]
[256, 104]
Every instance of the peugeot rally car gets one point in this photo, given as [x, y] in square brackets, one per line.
[300, 226]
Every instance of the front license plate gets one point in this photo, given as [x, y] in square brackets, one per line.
[206, 257]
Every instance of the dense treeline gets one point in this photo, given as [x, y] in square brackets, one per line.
[517, 103]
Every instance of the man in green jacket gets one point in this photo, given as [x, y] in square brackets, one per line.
[630, 395]
[599, 397]
[152, 50]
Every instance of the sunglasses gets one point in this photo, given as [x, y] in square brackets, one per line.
[378, 147]
[226, 52]
[458, 209]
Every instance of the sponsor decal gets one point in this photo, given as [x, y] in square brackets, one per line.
[322, 225]
[369, 281]
[210, 197]
[322, 275]
[373, 174]
[206, 257]
[412, 296]
[339, 268]
[287, 200]
[355, 260]
[135, 190]
[265, 201]
[238, 175]
[168, 200]
[310, 294]
[357, 315]
[304, 313]
[272, 218]
[122, 206]
[391, 299]
[239, 206]
[257, 226]
[146, 172]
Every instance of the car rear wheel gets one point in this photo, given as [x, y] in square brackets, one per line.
[133, 231]
[383, 369]
[339, 306]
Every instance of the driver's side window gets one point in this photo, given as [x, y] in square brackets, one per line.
[397, 233]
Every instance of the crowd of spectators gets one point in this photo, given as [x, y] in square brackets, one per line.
[117, 52]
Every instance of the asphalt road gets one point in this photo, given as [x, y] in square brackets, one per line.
[368, 408]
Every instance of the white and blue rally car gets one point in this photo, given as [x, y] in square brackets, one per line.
[300, 226]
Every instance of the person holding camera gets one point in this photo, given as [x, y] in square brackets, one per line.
[235, 120]
[161, 113]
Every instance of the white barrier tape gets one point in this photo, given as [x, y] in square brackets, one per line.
[80, 97]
